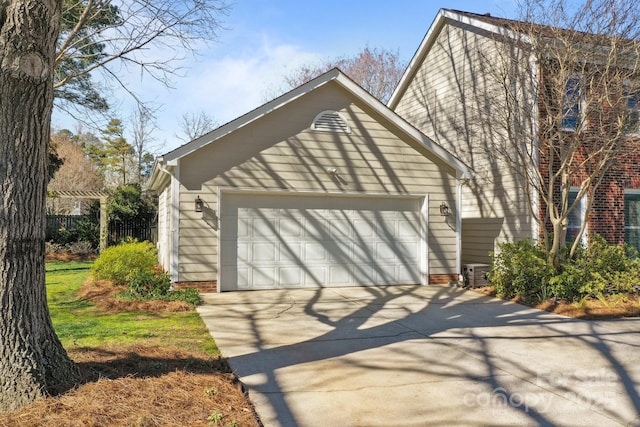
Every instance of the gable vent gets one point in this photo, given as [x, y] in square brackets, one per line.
[330, 121]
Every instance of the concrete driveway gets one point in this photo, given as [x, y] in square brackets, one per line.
[423, 355]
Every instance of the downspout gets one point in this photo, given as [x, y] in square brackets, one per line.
[459, 183]
[462, 179]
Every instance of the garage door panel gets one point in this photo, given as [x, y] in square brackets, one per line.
[262, 252]
[364, 228]
[243, 253]
[405, 250]
[243, 278]
[290, 277]
[262, 278]
[407, 228]
[338, 252]
[339, 275]
[283, 241]
[363, 274]
[361, 252]
[314, 277]
[339, 228]
[291, 227]
[315, 252]
[385, 252]
[291, 253]
[407, 275]
[263, 228]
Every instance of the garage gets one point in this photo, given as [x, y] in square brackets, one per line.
[321, 187]
[283, 240]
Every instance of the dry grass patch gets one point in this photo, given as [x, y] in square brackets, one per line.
[144, 387]
[140, 366]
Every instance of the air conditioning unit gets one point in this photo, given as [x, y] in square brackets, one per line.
[475, 275]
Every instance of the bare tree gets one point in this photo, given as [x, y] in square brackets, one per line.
[104, 38]
[142, 141]
[78, 172]
[377, 70]
[194, 125]
[563, 79]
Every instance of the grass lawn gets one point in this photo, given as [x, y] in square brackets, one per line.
[79, 324]
[138, 367]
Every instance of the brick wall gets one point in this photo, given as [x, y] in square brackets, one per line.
[607, 212]
[442, 279]
[202, 287]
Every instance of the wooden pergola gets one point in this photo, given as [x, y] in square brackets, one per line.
[93, 195]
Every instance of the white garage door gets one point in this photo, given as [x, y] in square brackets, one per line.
[289, 241]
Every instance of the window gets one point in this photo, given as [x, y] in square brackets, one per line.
[632, 119]
[576, 217]
[571, 104]
[330, 121]
[632, 218]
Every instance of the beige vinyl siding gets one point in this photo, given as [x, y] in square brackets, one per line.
[450, 100]
[281, 152]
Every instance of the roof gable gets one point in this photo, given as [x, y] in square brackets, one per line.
[445, 16]
[352, 88]
[509, 28]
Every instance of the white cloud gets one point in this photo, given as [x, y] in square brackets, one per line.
[228, 87]
[225, 84]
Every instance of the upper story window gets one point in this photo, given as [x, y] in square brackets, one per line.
[632, 119]
[330, 121]
[572, 104]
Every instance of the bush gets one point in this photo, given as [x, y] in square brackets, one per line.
[610, 269]
[121, 263]
[150, 285]
[520, 270]
[156, 285]
[135, 264]
[89, 231]
[190, 296]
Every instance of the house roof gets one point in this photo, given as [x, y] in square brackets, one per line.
[485, 22]
[170, 159]
[499, 26]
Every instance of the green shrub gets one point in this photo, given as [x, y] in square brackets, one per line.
[610, 269]
[121, 263]
[89, 231]
[520, 270]
[156, 285]
[190, 296]
[150, 284]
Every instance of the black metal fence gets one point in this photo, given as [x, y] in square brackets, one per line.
[55, 223]
[137, 228]
[68, 228]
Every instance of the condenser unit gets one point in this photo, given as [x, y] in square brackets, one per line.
[475, 275]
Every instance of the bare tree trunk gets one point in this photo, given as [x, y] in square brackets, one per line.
[31, 356]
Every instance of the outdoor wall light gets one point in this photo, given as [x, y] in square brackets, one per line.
[199, 204]
[444, 209]
[332, 171]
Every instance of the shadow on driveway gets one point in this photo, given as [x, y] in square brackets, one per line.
[423, 355]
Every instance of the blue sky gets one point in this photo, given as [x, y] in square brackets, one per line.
[264, 39]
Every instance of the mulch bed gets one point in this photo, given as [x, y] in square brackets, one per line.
[592, 309]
